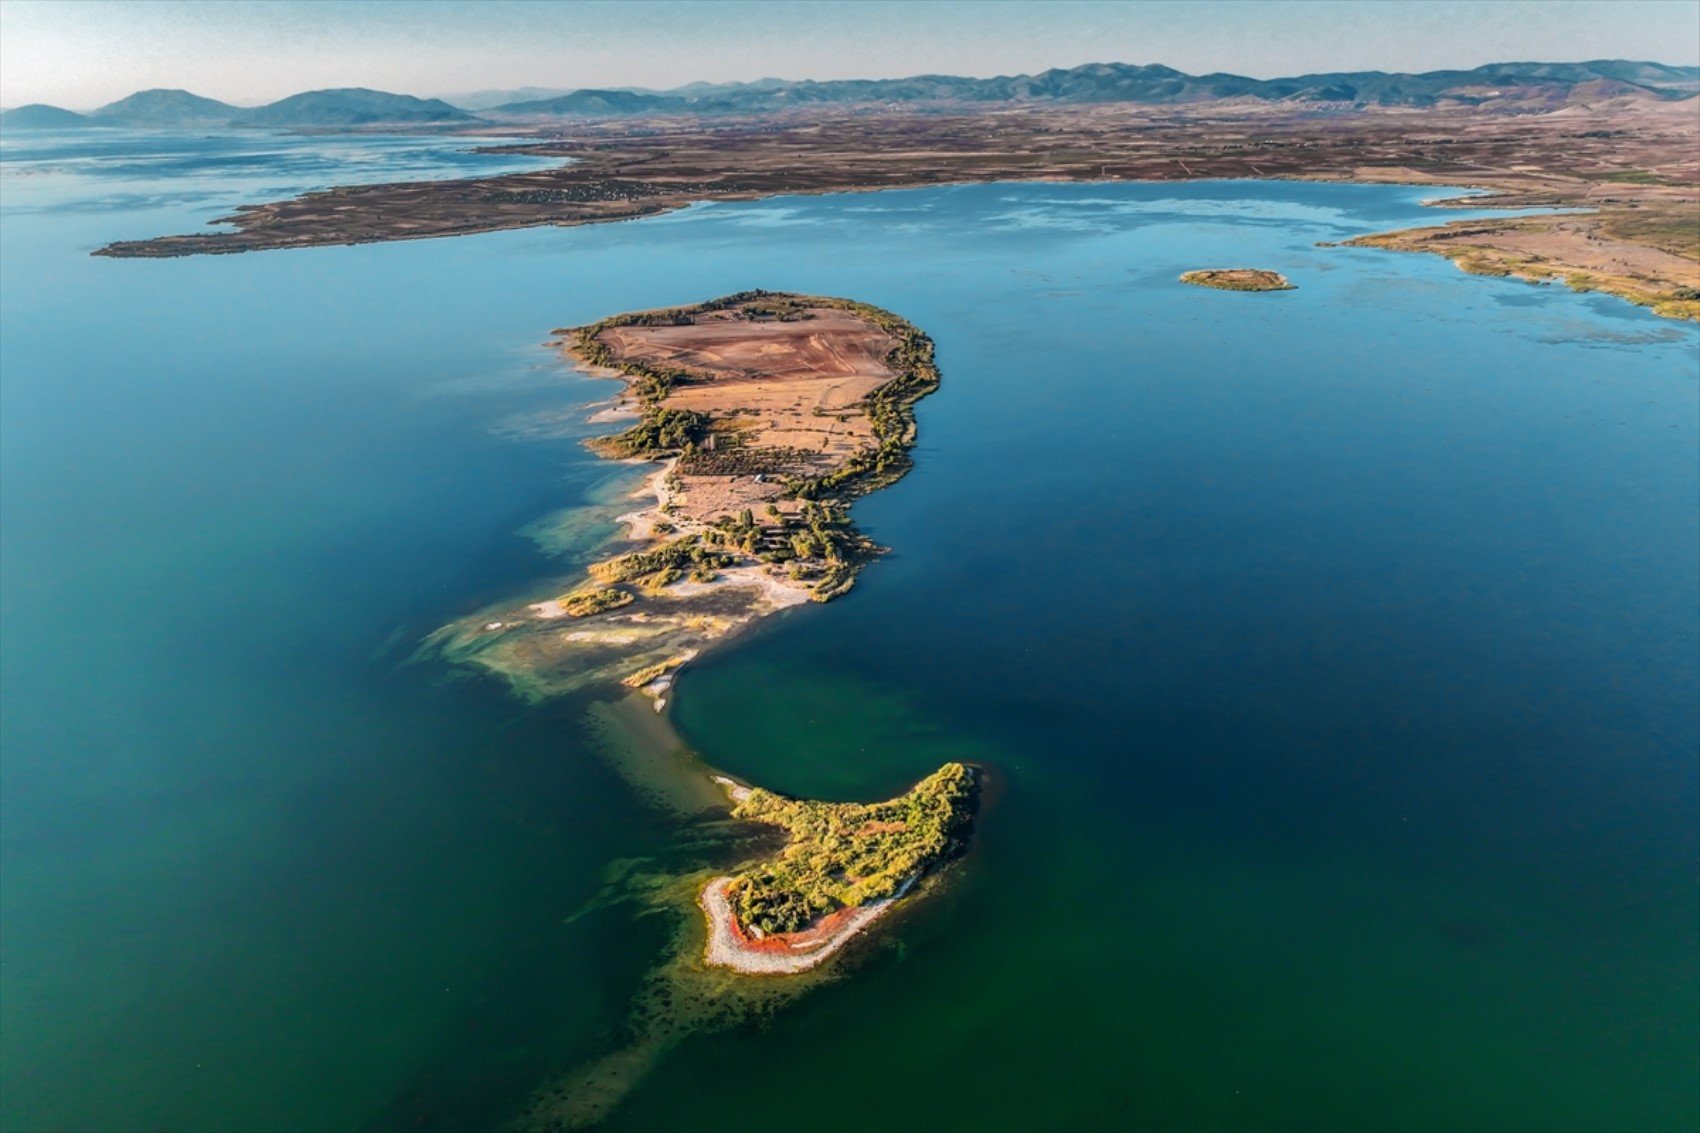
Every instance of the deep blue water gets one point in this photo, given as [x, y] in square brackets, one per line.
[1335, 654]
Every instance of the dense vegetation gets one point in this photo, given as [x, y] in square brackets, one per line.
[841, 855]
[661, 432]
[663, 565]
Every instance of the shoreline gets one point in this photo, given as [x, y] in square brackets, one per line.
[844, 866]
[790, 954]
[1666, 296]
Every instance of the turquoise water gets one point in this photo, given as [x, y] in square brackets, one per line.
[1333, 654]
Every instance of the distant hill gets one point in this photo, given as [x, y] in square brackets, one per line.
[176, 109]
[40, 116]
[1519, 85]
[353, 106]
[166, 109]
[485, 99]
[593, 104]
[489, 99]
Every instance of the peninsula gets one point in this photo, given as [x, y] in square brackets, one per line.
[767, 413]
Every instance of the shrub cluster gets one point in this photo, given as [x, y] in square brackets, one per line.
[593, 600]
[841, 855]
[661, 565]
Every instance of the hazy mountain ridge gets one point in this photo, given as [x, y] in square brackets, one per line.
[352, 106]
[165, 109]
[1513, 86]
[1152, 84]
[178, 109]
[40, 116]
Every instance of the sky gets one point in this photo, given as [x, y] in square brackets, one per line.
[83, 53]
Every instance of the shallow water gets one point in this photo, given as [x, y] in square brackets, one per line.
[1333, 654]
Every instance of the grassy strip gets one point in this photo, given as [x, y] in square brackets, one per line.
[653, 672]
[660, 566]
[1668, 300]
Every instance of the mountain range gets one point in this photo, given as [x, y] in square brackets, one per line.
[178, 109]
[1498, 86]
[1512, 83]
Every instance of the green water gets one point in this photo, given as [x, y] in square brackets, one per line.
[1333, 656]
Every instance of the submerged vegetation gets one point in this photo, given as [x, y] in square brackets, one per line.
[842, 855]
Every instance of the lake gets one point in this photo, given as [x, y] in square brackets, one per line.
[1334, 656]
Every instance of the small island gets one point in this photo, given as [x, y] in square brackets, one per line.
[1239, 279]
[844, 865]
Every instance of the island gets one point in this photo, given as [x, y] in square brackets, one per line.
[843, 867]
[1238, 279]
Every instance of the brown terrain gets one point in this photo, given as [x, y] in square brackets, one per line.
[792, 391]
[1633, 162]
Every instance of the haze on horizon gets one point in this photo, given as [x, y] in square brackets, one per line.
[86, 53]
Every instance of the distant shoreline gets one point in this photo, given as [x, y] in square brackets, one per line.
[1622, 163]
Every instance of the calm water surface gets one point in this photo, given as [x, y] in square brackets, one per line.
[1334, 653]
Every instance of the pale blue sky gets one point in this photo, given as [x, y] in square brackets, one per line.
[86, 52]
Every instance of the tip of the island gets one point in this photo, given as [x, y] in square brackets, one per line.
[844, 867]
[1239, 279]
